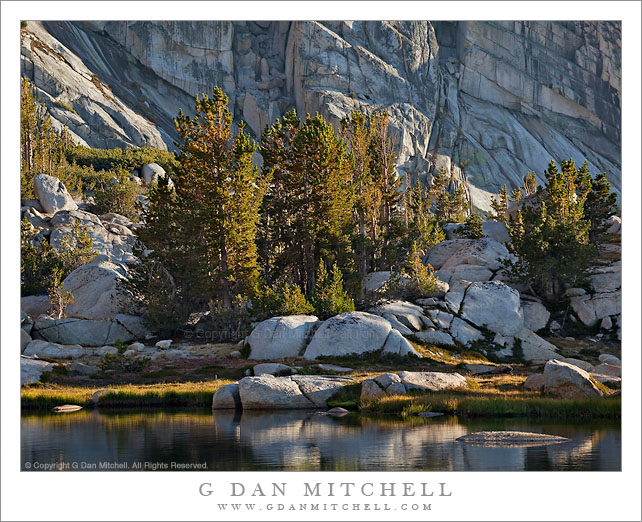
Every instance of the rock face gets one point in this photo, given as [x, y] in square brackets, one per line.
[451, 89]
[281, 337]
[568, 381]
[349, 333]
[52, 194]
[408, 314]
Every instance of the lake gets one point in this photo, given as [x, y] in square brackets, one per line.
[301, 440]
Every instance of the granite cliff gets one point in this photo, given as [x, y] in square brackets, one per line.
[488, 101]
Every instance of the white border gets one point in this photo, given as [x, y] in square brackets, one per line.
[476, 496]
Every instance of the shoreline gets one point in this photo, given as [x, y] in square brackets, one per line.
[475, 403]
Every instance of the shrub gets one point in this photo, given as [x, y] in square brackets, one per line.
[413, 280]
[42, 266]
[119, 196]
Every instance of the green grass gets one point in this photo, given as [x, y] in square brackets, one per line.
[496, 406]
[189, 394]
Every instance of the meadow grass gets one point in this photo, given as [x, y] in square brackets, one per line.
[186, 394]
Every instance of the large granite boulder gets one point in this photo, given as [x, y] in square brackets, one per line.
[95, 291]
[227, 397]
[432, 336]
[568, 381]
[591, 309]
[41, 348]
[410, 315]
[534, 348]
[52, 194]
[464, 333]
[319, 388]
[536, 315]
[493, 305]
[31, 369]
[397, 344]
[151, 172]
[281, 337]
[350, 333]
[605, 279]
[432, 381]
[274, 393]
[84, 332]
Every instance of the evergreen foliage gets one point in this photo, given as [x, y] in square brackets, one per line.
[449, 208]
[329, 297]
[551, 238]
[499, 205]
[472, 228]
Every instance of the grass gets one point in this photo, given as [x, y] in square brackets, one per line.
[188, 394]
[472, 405]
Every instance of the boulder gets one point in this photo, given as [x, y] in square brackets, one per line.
[227, 397]
[432, 381]
[489, 369]
[536, 315]
[397, 325]
[52, 194]
[77, 368]
[164, 344]
[272, 369]
[386, 379]
[281, 337]
[592, 309]
[25, 339]
[432, 336]
[485, 252]
[35, 305]
[493, 305]
[463, 333]
[607, 358]
[464, 273]
[535, 382]
[373, 281]
[607, 369]
[410, 315]
[31, 369]
[614, 224]
[370, 390]
[82, 331]
[510, 438]
[349, 333]
[397, 344]
[26, 323]
[586, 366]
[53, 350]
[534, 348]
[151, 172]
[134, 324]
[568, 381]
[94, 287]
[455, 295]
[319, 388]
[337, 412]
[606, 323]
[272, 393]
[606, 279]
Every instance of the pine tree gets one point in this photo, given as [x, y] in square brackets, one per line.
[308, 212]
[530, 184]
[499, 205]
[329, 297]
[551, 237]
[601, 204]
[449, 208]
[472, 228]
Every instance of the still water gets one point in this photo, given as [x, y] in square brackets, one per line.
[297, 440]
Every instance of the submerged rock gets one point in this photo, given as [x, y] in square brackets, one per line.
[510, 438]
[227, 397]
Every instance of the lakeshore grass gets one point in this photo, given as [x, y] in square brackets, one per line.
[186, 394]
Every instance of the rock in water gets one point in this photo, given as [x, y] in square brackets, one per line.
[272, 393]
[66, 408]
[52, 194]
[510, 438]
[227, 397]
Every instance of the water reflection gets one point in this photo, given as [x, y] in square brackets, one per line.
[302, 440]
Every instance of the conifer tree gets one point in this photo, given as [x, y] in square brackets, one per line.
[449, 208]
[472, 228]
[601, 204]
[309, 207]
[551, 237]
[329, 297]
[499, 205]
